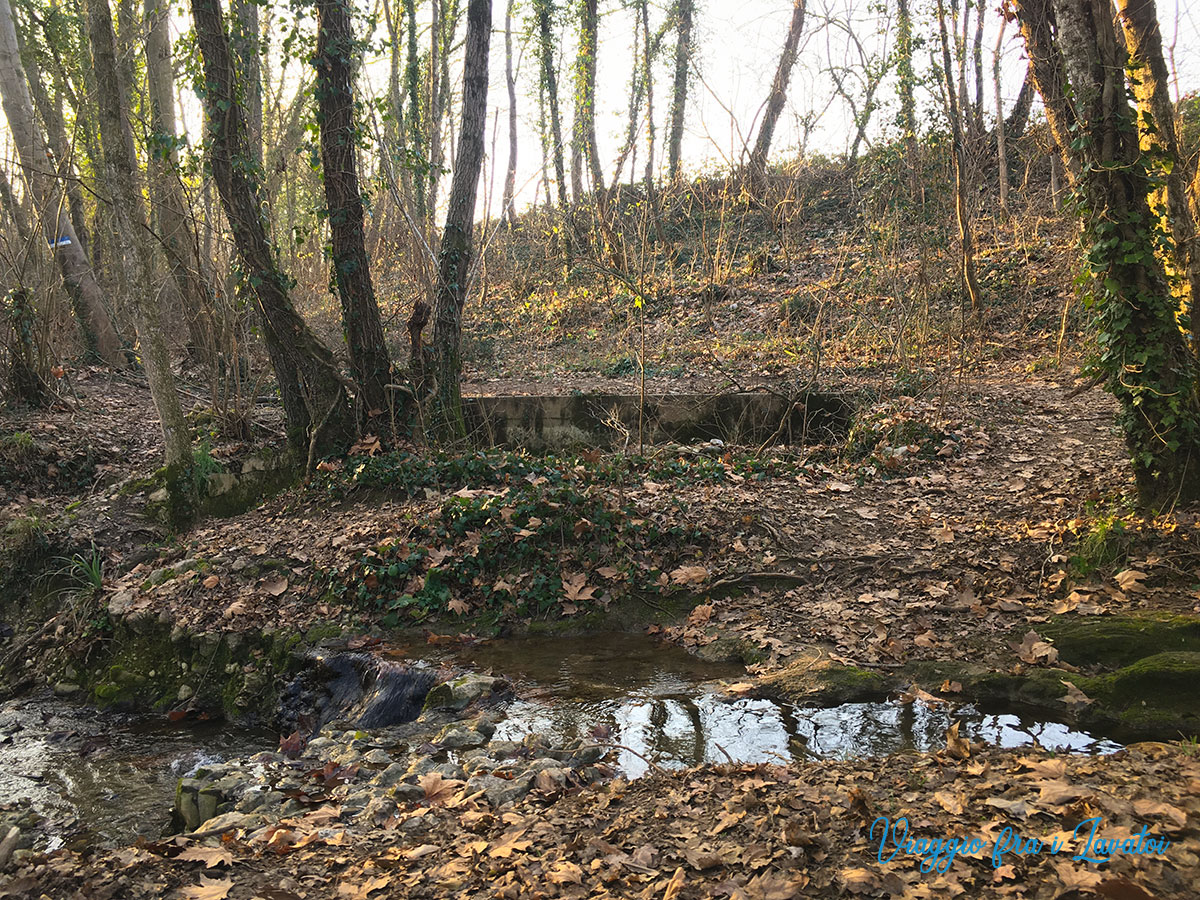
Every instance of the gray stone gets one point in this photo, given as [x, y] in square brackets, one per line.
[458, 737]
[232, 820]
[462, 692]
[407, 793]
[185, 692]
[66, 689]
[378, 758]
[499, 791]
[452, 771]
[393, 774]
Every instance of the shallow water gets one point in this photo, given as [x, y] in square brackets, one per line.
[106, 778]
[667, 706]
[101, 777]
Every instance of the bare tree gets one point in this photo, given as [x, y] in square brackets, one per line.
[454, 263]
[361, 321]
[778, 94]
[961, 193]
[311, 388]
[189, 269]
[685, 11]
[100, 335]
[129, 212]
[510, 173]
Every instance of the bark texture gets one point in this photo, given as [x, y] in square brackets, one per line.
[685, 11]
[778, 94]
[100, 335]
[129, 212]
[361, 321]
[315, 404]
[454, 262]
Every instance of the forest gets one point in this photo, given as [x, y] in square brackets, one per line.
[660, 449]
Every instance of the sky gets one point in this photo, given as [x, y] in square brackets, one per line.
[737, 45]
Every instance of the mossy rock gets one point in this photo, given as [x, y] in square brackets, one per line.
[826, 684]
[1112, 642]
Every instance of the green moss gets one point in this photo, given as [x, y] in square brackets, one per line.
[1116, 641]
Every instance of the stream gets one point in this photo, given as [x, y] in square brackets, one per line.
[107, 778]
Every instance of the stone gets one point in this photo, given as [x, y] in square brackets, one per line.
[451, 771]
[499, 791]
[66, 689]
[458, 737]
[462, 692]
[378, 758]
[232, 820]
[393, 774]
[185, 692]
[407, 793]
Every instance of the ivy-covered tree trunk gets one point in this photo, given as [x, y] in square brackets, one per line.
[318, 412]
[100, 335]
[361, 321]
[778, 94]
[454, 262]
[583, 131]
[1156, 122]
[1143, 354]
[545, 50]
[685, 11]
[133, 229]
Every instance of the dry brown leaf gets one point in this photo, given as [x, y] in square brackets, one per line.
[565, 872]
[957, 747]
[438, 790]
[689, 575]
[510, 842]
[675, 885]
[1034, 650]
[211, 581]
[210, 856]
[276, 586]
[208, 889]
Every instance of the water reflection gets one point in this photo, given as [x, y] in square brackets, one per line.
[663, 704]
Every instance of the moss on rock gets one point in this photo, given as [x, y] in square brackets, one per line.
[1114, 641]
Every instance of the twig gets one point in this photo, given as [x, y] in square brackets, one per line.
[651, 763]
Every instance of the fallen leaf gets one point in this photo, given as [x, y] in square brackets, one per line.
[689, 575]
[276, 586]
[210, 856]
[208, 889]
[510, 842]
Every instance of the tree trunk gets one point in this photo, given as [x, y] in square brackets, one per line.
[1001, 137]
[778, 94]
[906, 80]
[318, 413]
[412, 86]
[510, 174]
[244, 39]
[545, 44]
[1142, 350]
[129, 211]
[685, 10]
[961, 198]
[454, 263]
[51, 113]
[1018, 117]
[583, 137]
[189, 269]
[1049, 76]
[361, 321]
[87, 299]
[1156, 122]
